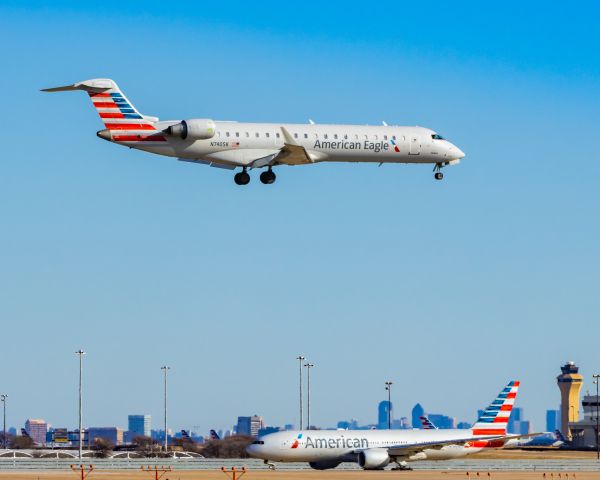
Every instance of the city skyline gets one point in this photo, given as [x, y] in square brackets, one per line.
[144, 262]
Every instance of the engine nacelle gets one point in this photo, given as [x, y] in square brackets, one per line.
[324, 464]
[374, 459]
[194, 129]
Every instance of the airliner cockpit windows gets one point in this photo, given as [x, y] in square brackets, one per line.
[435, 136]
[258, 442]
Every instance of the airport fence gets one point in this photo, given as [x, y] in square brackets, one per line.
[541, 465]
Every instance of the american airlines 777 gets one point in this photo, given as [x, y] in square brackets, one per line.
[232, 145]
[375, 449]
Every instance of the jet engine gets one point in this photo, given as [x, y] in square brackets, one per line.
[373, 459]
[194, 129]
[324, 464]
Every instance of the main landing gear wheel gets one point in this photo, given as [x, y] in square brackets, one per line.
[242, 178]
[438, 175]
[438, 171]
[268, 177]
[270, 465]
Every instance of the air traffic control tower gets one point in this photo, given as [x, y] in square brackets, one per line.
[569, 383]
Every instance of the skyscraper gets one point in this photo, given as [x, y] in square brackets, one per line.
[250, 425]
[384, 409]
[552, 420]
[139, 425]
[36, 429]
[417, 412]
[570, 383]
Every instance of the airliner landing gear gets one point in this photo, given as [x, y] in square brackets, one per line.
[401, 466]
[242, 178]
[268, 176]
[438, 171]
[270, 465]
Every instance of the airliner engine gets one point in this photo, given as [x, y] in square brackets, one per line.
[373, 459]
[194, 129]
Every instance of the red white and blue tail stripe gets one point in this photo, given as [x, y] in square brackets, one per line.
[124, 124]
[494, 419]
[427, 424]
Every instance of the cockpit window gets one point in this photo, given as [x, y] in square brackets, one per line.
[436, 136]
[258, 442]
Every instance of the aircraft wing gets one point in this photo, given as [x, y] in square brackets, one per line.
[414, 448]
[290, 154]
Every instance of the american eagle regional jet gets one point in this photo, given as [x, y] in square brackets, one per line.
[232, 145]
[375, 449]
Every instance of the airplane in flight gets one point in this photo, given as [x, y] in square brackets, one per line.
[232, 145]
[375, 449]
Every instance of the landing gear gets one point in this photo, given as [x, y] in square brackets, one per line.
[270, 465]
[438, 171]
[401, 466]
[242, 178]
[439, 175]
[268, 176]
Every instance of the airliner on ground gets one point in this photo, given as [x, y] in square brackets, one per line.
[375, 449]
[234, 145]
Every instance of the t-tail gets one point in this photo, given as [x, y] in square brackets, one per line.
[123, 122]
[494, 419]
[214, 435]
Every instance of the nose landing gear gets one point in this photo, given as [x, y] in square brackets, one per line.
[438, 171]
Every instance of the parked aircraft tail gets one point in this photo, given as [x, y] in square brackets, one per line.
[494, 419]
[427, 424]
[214, 435]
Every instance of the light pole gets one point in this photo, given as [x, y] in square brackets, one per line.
[165, 369]
[597, 381]
[300, 359]
[3, 397]
[388, 387]
[308, 367]
[81, 353]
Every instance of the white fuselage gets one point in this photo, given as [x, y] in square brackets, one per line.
[344, 445]
[240, 144]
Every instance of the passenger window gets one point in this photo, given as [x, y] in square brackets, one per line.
[267, 135]
[345, 136]
[237, 134]
[295, 135]
[355, 137]
[325, 136]
[257, 134]
[277, 134]
[375, 137]
[393, 137]
[306, 135]
[385, 137]
[335, 136]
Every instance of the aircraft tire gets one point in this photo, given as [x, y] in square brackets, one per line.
[438, 175]
[268, 177]
[241, 178]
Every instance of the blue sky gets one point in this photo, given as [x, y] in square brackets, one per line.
[449, 289]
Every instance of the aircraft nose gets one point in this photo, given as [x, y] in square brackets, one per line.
[455, 152]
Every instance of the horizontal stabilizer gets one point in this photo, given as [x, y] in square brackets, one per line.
[96, 85]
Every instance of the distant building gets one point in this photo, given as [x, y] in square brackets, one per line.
[516, 415]
[345, 424]
[250, 425]
[570, 383]
[288, 426]
[583, 432]
[442, 421]
[113, 435]
[36, 429]
[552, 420]
[139, 426]
[463, 425]
[268, 429]
[384, 412]
[417, 412]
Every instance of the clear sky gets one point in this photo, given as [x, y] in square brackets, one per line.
[449, 289]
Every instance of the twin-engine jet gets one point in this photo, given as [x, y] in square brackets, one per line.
[247, 146]
[375, 449]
